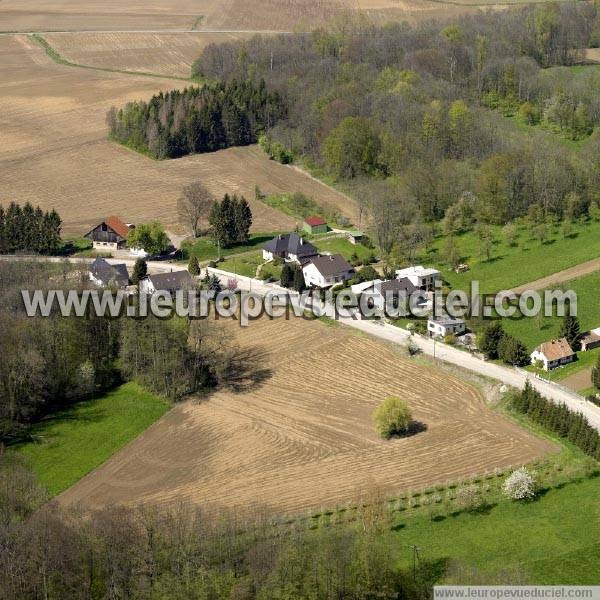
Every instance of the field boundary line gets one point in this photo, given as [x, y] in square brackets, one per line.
[59, 59]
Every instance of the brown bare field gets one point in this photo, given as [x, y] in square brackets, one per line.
[303, 438]
[579, 381]
[160, 53]
[268, 15]
[54, 150]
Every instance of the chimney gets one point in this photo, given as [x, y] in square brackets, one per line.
[331, 257]
[301, 241]
[280, 237]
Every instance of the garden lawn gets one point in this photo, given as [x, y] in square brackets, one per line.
[340, 245]
[529, 260]
[245, 264]
[205, 249]
[67, 445]
[553, 540]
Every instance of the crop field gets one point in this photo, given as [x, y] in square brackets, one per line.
[55, 152]
[160, 53]
[304, 438]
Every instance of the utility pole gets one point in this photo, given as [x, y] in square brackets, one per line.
[415, 550]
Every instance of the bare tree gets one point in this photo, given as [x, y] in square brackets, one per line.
[194, 204]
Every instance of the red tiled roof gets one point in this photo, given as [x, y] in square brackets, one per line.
[314, 221]
[556, 349]
[117, 226]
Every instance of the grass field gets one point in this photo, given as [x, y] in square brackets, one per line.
[71, 443]
[340, 245]
[205, 249]
[553, 540]
[525, 262]
[290, 441]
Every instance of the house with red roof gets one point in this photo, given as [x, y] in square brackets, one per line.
[111, 234]
[314, 224]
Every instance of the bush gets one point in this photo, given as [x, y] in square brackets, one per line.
[468, 498]
[393, 417]
[519, 485]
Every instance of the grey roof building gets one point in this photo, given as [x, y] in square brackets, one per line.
[168, 282]
[106, 275]
[290, 246]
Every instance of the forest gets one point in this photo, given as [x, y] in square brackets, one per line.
[466, 120]
[24, 228]
[197, 120]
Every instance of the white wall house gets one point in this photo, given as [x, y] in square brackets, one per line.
[419, 276]
[290, 247]
[378, 292]
[326, 271]
[553, 354]
[443, 326]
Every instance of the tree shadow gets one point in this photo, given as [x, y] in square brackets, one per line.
[245, 369]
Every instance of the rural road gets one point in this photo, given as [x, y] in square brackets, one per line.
[390, 333]
[460, 358]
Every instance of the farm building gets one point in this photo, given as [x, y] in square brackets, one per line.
[111, 234]
[290, 247]
[167, 282]
[420, 276]
[443, 326]
[325, 271]
[103, 274]
[315, 224]
[590, 339]
[553, 354]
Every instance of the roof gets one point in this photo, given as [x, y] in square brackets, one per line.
[590, 336]
[398, 285]
[171, 281]
[290, 243]
[416, 270]
[118, 226]
[333, 264]
[446, 321]
[314, 221]
[555, 349]
[107, 273]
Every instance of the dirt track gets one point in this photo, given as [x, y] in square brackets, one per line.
[304, 438]
[591, 266]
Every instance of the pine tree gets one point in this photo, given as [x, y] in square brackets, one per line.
[140, 270]
[571, 330]
[243, 219]
[287, 275]
[596, 374]
[194, 266]
[490, 339]
[512, 351]
[299, 283]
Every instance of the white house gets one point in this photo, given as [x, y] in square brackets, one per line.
[379, 292]
[553, 354]
[443, 326]
[103, 274]
[168, 282]
[419, 276]
[290, 247]
[325, 271]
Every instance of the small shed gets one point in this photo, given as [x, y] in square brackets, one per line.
[314, 224]
[354, 236]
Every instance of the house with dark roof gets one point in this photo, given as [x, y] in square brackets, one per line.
[314, 224]
[111, 234]
[290, 247]
[590, 339]
[103, 274]
[167, 282]
[389, 293]
[328, 270]
[553, 354]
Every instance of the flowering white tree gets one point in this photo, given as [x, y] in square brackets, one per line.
[519, 485]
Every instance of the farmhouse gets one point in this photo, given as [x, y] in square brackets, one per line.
[325, 271]
[103, 274]
[420, 276]
[553, 354]
[380, 292]
[314, 224]
[290, 247]
[443, 326]
[168, 282]
[111, 234]
[590, 339]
